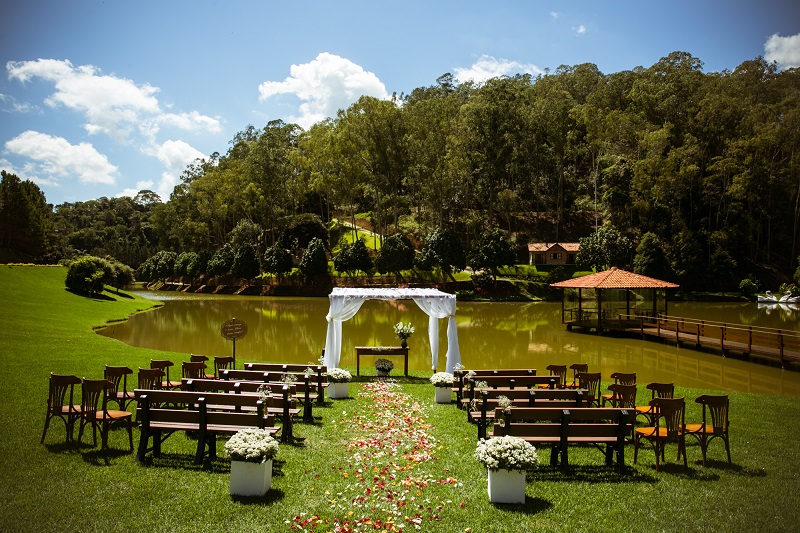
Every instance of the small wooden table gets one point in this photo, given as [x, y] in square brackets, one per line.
[381, 350]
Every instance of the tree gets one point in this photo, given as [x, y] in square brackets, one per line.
[183, 263]
[24, 217]
[395, 255]
[651, 260]
[87, 273]
[352, 258]
[245, 263]
[491, 251]
[314, 263]
[277, 261]
[604, 248]
[221, 262]
[443, 249]
[797, 273]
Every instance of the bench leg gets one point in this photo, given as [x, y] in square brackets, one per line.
[157, 443]
[143, 438]
[564, 457]
[554, 451]
[308, 417]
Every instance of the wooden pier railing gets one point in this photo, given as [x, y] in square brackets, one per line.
[778, 344]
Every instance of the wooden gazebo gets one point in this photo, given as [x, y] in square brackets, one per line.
[610, 297]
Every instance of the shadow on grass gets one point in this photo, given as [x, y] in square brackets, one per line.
[95, 457]
[590, 474]
[531, 506]
[273, 495]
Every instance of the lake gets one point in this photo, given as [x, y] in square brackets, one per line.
[491, 335]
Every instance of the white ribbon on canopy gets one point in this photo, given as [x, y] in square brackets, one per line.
[345, 303]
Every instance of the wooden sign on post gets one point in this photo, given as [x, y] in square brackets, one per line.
[234, 329]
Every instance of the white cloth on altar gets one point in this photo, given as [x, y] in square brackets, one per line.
[345, 303]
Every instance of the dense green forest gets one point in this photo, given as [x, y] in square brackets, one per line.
[699, 172]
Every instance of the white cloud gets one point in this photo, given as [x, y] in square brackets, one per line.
[488, 67]
[140, 186]
[9, 104]
[54, 159]
[783, 50]
[325, 85]
[554, 15]
[579, 30]
[176, 156]
[113, 106]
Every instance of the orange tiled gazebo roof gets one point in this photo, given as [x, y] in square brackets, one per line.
[614, 278]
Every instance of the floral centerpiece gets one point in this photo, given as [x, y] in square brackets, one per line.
[507, 459]
[443, 383]
[251, 451]
[442, 379]
[339, 375]
[403, 332]
[383, 366]
[338, 378]
[252, 445]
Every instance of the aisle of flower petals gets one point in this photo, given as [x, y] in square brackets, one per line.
[385, 468]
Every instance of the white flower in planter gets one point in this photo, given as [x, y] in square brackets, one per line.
[442, 379]
[252, 445]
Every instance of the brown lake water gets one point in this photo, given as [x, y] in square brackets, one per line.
[491, 335]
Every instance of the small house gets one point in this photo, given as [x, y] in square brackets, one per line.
[555, 253]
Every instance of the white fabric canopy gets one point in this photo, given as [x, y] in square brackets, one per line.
[345, 303]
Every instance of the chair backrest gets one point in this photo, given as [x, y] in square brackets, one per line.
[150, 378]
[61, 390]
[193, 369]
[718, 407]
[196, 358]
[117, 375]
[578, 368]
[623, 395]
[591, 382]
[624, 378]
[670, 414]
[560, 371]
[92, 394]
[222, 363]
[661, 390]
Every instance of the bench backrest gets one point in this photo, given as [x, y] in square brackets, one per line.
[164, 406]
[571, 422]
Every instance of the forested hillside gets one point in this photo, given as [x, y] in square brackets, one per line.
[708, 164]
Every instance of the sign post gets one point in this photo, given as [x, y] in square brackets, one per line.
[233, 330]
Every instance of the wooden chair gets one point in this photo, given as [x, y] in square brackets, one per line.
[591, 382]
[164, 365]
[150, 378]
[657, 390]
[669, 427]
[622, 378]
[577, 368]
[197, 358]
[118, 376]
[93, 392]
[561, 372]
[622, 396]
[193, 370]
[717, 408]
[222, 363]
[59, 403]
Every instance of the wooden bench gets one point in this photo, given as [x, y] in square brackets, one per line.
[482, 410]
[275, 379]
[458, 377]
[319, 370]
[281, 404]
[561, 427]
[507, 383]
[163, 412]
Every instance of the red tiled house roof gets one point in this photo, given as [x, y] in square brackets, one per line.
[615, 279]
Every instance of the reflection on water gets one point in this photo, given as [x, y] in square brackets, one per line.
[491, 335]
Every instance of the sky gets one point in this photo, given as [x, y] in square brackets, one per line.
[107, 98]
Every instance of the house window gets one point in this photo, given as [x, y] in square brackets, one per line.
[538, 259]
[571, 259]
[555, 256]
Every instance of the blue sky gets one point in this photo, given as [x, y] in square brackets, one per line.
[107, 98]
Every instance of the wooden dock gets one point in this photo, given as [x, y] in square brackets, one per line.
[774, 344]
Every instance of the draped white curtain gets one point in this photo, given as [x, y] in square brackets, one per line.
[345, 303]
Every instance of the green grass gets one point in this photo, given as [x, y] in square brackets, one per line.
[52, 487]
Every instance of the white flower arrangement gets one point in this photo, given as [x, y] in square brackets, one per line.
[442, 379]
[403, 331]
[504, 403]
[506, 453]
[264, 392]
[339, 375]
[252, 445]
[384, 365]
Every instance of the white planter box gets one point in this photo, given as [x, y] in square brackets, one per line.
[250, 479]
[506, 486]
[443, 394]
[338, 390]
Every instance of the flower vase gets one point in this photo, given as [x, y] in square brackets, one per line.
[506, 486]
[338, 390]
[443, 394]
[250, 479]
[382, 373]
[403, 343]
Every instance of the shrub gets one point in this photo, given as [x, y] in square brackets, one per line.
[747, 287]
[87, 274]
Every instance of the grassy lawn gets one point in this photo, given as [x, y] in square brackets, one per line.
[339, 468]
